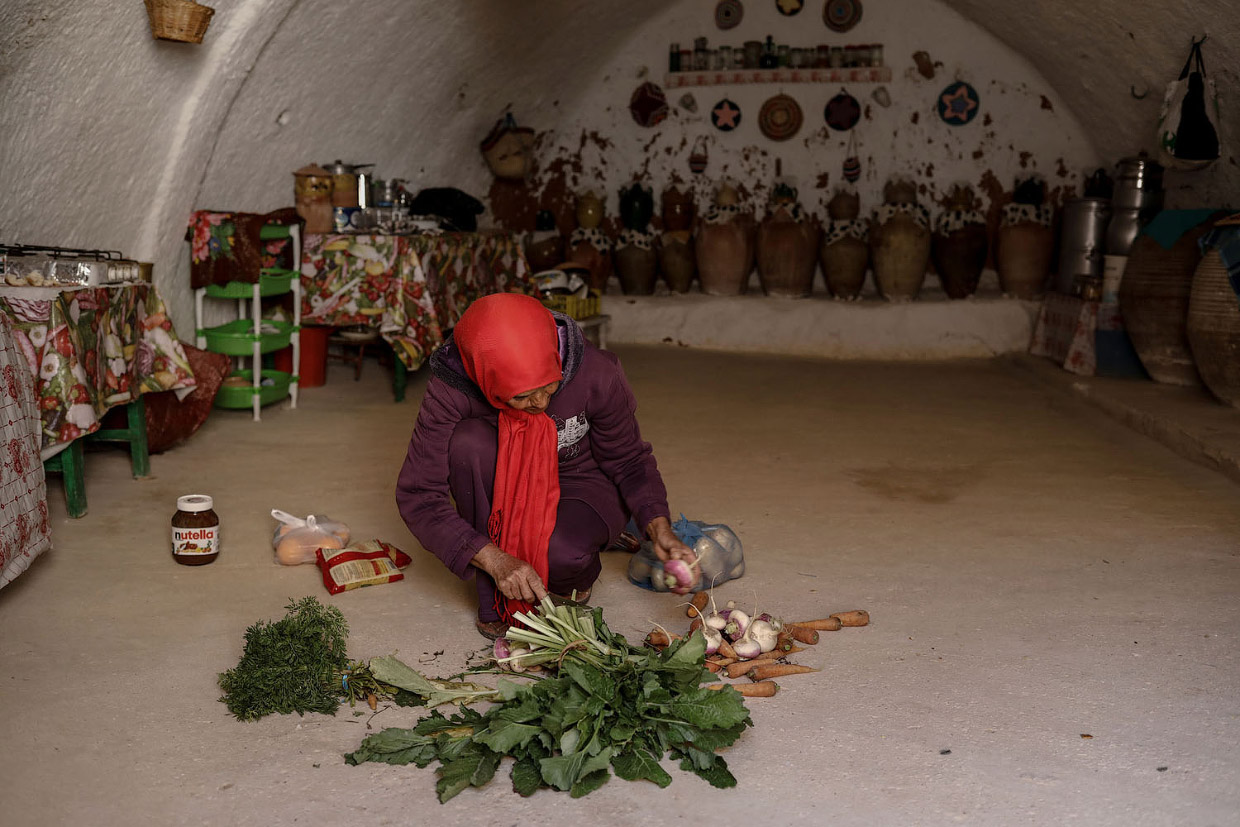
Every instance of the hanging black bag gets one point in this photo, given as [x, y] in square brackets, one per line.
[1188, 127]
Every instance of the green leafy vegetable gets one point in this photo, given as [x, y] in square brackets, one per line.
[289, 665]
[606, 707]
[434, 692]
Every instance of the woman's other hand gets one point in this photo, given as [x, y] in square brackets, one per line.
[667, 546]
[515, 578]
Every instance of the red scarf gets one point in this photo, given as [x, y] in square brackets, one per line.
[509, 345]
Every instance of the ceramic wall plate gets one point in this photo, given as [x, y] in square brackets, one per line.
[780, 118]
[728, 13]
[726, 115]
[789, 7]
[841, 15]
[842, 112]
[958, 103]
[648, 105]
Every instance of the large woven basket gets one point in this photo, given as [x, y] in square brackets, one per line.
[180, 20]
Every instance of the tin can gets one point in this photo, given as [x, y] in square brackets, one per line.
[346, 219]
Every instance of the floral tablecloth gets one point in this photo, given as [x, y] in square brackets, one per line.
[412, 287]
[24, 534]
[92, 349]
[1066, 331]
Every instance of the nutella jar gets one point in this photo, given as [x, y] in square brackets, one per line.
[195, 531]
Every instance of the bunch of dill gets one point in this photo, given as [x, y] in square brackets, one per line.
[289, 665]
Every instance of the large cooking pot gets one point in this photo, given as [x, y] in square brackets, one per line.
[347, 189]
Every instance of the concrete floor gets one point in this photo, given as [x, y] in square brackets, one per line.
[1036, 572]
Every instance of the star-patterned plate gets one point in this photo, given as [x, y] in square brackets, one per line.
[726, 115]
[958, 104]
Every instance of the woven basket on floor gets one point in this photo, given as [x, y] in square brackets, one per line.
[180, 20]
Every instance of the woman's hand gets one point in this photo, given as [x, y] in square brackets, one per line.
[667, 546]
[515, 578]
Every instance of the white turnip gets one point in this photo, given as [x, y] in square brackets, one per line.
[713, 639]
[763, 633]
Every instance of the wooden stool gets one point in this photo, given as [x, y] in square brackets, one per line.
[350, 341]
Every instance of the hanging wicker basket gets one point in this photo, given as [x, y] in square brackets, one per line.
[180, 20]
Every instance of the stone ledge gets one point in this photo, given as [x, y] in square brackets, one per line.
[933, 327]
[1189, 421]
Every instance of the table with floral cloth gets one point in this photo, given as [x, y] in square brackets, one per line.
[93, 349]
[411, 287]
[24, 532]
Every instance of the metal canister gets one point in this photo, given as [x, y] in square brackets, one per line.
[1138, 185]
[1080, 251]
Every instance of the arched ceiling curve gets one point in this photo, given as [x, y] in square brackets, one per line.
[95, 108]
[1111, 60]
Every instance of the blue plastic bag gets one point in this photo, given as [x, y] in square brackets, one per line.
[718, 549]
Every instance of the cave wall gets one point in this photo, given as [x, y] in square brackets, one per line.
[110, 138]
[1023, 127]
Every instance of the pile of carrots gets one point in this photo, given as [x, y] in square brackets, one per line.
[764, 668]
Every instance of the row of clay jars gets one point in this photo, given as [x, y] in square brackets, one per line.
[636, 268]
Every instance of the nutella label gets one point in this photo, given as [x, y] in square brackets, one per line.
[188, 541]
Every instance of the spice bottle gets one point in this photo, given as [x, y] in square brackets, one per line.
[195, 531]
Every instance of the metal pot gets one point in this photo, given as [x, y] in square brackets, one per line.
[347, 190]
[1138, 185]
[387, 193]
[1080, 251]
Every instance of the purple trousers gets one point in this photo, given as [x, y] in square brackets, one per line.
[579, 534]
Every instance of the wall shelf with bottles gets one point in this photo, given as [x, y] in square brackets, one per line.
[734, 77]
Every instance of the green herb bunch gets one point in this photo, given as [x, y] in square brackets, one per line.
[290, 665]
[608, 707]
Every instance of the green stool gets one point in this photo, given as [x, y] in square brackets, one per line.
[134, 434]
[70, 463]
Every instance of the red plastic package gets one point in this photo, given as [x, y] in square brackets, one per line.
[362, 564]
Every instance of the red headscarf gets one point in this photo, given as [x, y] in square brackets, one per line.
[509, 345]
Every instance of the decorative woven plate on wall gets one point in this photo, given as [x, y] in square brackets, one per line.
[841, 15]
[648, 105]
[726, 115]
[780, 118]
[728, 13]
[958, 103]
[842, 112]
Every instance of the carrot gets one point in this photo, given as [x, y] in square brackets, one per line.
[857, 617]
[742, 667]
[783, 641]
[827, 624]
[794, 650]
[712, 666]
[764, 689]
[372, 701]
[695, 625]
[659, 638]
[777, 670]
[804, 635]
[699, 602]
[718, 661]
[727, 651]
